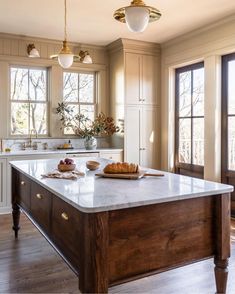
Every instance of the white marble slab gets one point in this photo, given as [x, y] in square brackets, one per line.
[92, 194]
[50, 151]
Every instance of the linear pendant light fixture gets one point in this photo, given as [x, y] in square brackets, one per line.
[137, 15]
[65, 56]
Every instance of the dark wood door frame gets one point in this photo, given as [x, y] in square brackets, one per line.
[189, 169]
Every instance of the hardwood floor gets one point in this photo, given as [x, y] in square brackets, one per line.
[30, 265]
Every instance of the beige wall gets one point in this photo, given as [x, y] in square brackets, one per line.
[208, 45]
[13, 51]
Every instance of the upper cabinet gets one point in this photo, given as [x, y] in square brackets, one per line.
[140, 78]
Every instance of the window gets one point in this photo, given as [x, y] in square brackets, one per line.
[79, 93]
[28, 88]
[190, 116]
[228, 123]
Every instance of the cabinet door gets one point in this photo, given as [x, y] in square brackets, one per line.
[148, 79]
[148, 137]
[132, 134]
[2, 182]
[116, 156]
[132, 78]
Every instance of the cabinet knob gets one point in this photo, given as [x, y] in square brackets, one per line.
[39, 196]
[64, 216]
[22, 183]
[110, 157]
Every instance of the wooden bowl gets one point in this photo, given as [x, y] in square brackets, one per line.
[92, 165]
[66, 167]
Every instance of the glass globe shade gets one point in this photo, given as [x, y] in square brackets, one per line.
[137, 18]
[65, 60]
[87, 59]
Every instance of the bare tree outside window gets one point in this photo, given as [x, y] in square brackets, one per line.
[79, 93]
[28, 101]
[190, 114]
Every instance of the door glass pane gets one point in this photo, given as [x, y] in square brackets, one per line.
[185, 94]
[70, 87]
[19, 118]
[198, 141]
[231, 87]
[185, 140]
[231, 143]
[198, 92]
[38, 118]
[19, 84]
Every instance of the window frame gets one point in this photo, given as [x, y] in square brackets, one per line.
[95, 95]
[225, 171]
[180, 167]
[46, 102]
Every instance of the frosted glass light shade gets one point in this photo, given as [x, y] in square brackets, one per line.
[137, 18]
[65, 60]
[87, 59]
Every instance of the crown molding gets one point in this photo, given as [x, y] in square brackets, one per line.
[133, 45]
[197, 32]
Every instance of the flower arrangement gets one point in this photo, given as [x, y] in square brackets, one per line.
[83, 126]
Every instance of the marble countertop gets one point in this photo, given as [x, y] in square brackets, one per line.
[56, 151]
[93, 194]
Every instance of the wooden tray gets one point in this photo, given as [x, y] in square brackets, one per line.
[134, 176]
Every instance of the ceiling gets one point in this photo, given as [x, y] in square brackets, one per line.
[91, 21]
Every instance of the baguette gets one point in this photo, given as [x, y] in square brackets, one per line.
[121, 168]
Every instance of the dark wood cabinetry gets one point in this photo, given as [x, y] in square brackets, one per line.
[24, 191]
[41, 203]
[65, 230]
[110, 247]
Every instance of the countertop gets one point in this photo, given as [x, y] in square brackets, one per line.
[93, 194]
[56, 151]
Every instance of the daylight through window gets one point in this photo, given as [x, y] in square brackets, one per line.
[28, 100]
[190, 114]
[79, 94]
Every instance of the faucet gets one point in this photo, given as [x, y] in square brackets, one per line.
[30, 144]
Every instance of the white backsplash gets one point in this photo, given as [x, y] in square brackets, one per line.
[52, 144]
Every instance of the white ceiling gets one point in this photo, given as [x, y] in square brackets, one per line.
[91, 21]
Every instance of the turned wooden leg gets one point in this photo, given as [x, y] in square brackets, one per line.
[16, 218]
[221, 275]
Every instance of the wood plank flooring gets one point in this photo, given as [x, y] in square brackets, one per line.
[30, 265]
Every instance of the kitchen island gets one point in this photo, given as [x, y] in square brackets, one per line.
[111, 231]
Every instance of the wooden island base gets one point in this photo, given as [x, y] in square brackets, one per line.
[111, 247]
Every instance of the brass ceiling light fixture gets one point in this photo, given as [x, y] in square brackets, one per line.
[65, 56]
[137, 15]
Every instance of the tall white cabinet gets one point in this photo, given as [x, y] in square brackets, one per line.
[137, 65]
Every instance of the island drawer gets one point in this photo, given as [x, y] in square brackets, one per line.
[23, 195]
[66, 229]
[41, 205]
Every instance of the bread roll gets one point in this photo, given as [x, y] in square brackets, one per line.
[121, 168]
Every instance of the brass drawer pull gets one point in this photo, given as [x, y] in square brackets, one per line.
[22, 183]
[39, 196]
[64, 216]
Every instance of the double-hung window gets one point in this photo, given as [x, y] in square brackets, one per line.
[189, 133]
[79, 93]
[29, 100]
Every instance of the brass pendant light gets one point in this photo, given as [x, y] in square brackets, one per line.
[137, 15]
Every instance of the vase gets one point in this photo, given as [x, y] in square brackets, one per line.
[90, 143]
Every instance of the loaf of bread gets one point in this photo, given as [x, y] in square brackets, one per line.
[121, 168]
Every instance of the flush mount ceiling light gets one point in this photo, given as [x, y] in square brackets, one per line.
[137, 15]
[32, 51]
[65, 56]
